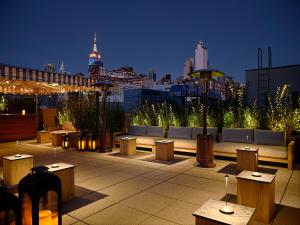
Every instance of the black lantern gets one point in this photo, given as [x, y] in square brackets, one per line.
[66, 141]
[81, 142]
[40, 194]
[92, 142]
[10, 208]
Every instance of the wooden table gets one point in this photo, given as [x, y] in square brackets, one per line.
[257, 192]
[15, 168]
[66, 174]
[247, 159]
[128, 146]
[57, 136]
[209, 214]
[43, 137]
[164, 150]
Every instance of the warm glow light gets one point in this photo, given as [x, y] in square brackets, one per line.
[23, 112]
[45, 217]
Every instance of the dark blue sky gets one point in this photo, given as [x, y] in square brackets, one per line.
[149, 34]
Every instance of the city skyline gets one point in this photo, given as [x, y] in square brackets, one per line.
[150, 34]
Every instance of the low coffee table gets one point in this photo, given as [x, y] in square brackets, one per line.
[128, 146]
[209, 213]
[247, 159]
[257, 190]
[164, 150]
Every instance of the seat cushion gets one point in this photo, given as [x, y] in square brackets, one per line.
[269, 137]
[140, 140]
[199, 130]
[180, 132]
[268, 151]
[154, 131]
[184, 143]
[137, 130]
[238, 135]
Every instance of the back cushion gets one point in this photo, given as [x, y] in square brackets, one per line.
[137, 130]
[269, 137]
[154, 131]
[238, 135]
[180, 132]
[199, 130]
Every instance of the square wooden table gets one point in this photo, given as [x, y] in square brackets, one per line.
[257, 192]
[43, 137]
[209, 214]
[247, 159]
[15, 168]
[164, 150]
[128, 146]
[66, 174]
[57, 136]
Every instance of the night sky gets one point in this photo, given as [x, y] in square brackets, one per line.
[149, 34]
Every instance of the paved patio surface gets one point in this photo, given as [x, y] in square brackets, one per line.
[114, 190]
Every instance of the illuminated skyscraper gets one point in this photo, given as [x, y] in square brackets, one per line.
[95, 63]
[201, 56]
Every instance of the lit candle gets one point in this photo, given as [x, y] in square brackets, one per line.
[54, 218]
[23, 112]
[45, 217]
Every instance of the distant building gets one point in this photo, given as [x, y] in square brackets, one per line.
[265, 80]
[201, 56]
[152, 75]
[95, 62]
[188, 67]
[50, 68]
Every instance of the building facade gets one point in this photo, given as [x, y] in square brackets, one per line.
[259, 82]
[201, 56]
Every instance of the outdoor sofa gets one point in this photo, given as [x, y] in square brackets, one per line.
[273, 146]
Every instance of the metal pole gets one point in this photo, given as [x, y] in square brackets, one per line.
[37, 112]
[205, 88]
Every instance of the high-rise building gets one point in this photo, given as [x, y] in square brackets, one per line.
[95, 63]
[188, 67]
[201, 56]
[152, 75]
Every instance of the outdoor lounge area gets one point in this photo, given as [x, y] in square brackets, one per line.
[112, 188]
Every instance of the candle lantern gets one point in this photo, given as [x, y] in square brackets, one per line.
[92, 142]
[40, 195]
[81, 142]
[10, 208]
[66, 141]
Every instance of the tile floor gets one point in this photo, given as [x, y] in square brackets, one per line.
[114, 190]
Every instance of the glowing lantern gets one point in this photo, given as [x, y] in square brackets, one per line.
[81, 142]
[66, 141]
[40, 194]
[92, 142]
[23, 112]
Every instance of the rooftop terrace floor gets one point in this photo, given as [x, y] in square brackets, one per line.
[116, 190]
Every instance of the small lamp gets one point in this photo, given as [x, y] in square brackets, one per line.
[66, 141]
[81, 142]
[23, 112]
[92, 142]
[226, 209]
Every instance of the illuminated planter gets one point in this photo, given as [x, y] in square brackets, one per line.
[92, 142]
[10, 208]
[81, 142]
[66, 141]
[40, 196]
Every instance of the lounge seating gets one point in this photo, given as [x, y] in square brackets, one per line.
[272, 145]
[145, 136]
[185, 137]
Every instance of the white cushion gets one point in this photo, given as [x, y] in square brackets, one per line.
[137, 130]
[154, 131]
[238, 135]
[199, 130]
[180, 132]
[184, 143]
[140, 140]
[269, 137]
[263, 150]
